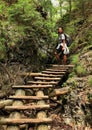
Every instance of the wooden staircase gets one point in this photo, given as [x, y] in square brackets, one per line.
[45, 81]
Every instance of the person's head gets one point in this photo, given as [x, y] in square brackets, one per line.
[60, 30]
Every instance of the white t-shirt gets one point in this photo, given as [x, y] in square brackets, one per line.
[61, 37]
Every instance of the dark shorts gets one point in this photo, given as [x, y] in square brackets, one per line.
[59, 51]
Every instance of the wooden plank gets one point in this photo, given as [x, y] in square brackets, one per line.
[43, 83]
[60, 91]
[53, 72]
[37, 107]
[64, 66]
[28, 97]
[32, 86]
[36, 74]
[57, 69]
[39, 74]
[47, 79]
[24, 121]
[50, 75]
[30, 74]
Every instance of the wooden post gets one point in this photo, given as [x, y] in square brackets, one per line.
[4, 103]
[41, 114]
[17, 115]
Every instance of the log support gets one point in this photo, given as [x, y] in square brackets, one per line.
[41, 114]
[15, 114]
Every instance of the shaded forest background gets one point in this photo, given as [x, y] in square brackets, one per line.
[28, 29]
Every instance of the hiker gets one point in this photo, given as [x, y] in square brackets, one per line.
[61, 48]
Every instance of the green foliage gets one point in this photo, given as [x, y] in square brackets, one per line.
[22, 27]
[2, 51]
[80, 71]
[73, 47]
[24, 30]
[88, 36]
[88, 47]
[90, 82]
[64, 20]
[71, 74]
[75, 59]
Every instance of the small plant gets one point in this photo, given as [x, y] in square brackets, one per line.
[80, 71]
[74, 46]
[75, 59]
[2, 51]
[71, 75]
[90, 82]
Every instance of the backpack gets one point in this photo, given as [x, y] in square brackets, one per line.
[68, 39]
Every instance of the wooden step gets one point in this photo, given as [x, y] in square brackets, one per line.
[57, 70]
[37, 107]
[47, 79]
[50, 75]
[53, 72]
[43, 83]
[39, 74]
[29, 74]
[29, 97]
[24, 121]
[63, 66]
[32, 86]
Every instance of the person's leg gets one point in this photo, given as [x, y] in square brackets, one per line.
[64, 59]
[57, 56]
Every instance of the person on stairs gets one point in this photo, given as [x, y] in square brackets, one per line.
[61, 48]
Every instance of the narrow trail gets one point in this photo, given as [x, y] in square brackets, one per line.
[31, 110]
